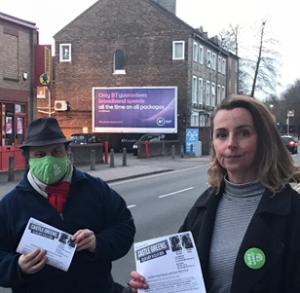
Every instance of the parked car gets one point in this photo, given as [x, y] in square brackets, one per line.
[290, 143]
[151, 137]
[84, 138]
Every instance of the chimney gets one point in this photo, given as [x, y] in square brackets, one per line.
[168, 4]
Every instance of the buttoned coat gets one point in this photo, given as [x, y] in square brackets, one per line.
[274, 228]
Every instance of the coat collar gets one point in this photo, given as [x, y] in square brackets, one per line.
[270, 203]
[24, 185]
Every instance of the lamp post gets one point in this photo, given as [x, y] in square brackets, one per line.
[271, 107]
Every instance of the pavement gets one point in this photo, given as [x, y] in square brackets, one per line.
[135, 168]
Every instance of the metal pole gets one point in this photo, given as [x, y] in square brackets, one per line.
[124, 157]
[173, 152]
[191, 150]
[146, 149]
[288, 125]
[106, 152]
[112, 158]
[181, 152]
[11, 169]
[93, 160]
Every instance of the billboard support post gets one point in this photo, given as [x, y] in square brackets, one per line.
[106, 152]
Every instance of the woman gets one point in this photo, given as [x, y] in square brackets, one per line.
[246, 226]
[56, 193]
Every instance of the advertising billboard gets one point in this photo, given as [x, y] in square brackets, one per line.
[135, 110]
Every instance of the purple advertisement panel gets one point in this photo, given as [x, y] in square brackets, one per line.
[135, 109]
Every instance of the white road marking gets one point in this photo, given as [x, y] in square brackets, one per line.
[176, 192]
[132, 206]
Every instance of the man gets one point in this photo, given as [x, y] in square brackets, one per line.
[56, 193]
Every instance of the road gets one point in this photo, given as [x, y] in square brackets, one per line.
[159, 205]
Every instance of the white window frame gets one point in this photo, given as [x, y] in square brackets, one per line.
[207, 93]
[183, 50]
[208, 58]
[213, 94]
[195, 119]
[119, 71]
[61, 59]
[213, 62]
[201, 51]
[202, 120]
[195, 52]
[200, 91]
[223, 93]
[219, 64]
[223, 66]
[194, 89]
[219, 94]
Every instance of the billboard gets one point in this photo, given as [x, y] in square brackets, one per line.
[135, 110]
[42, 65]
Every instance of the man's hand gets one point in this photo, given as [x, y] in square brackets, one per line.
[85, 239]
[32, 262]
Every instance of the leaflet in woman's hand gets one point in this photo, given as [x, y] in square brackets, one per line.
[170, 264]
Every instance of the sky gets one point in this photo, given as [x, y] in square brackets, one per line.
[282, 19]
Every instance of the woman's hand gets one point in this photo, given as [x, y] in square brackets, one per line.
[85, 239]
[32, 262]
[137, 282]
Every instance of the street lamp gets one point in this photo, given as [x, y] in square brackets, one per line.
[271, 107]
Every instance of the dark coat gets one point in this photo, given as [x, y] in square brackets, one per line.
[91, 204]
[274, 228]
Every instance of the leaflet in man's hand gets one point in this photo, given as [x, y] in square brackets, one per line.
[170, 264]
[58, 244]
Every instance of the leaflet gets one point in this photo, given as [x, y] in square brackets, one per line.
[59, 245]
[170, 264]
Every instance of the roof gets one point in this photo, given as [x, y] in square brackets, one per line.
[18, 21]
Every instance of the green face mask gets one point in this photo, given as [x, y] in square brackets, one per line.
[49, 169]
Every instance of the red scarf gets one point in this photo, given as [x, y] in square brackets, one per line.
[57, 195]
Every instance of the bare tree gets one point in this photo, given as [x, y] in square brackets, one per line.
[260, 71]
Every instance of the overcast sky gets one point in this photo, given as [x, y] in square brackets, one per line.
[283, 20]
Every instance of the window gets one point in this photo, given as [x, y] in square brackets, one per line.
[200, 91]
[207, 93]
[178, 50]
[195, 52]
[213, 61]
[219, 94]
[119, 62]
[201, 54]
[229, 63]
[229, 86]
[236, 65]
[195, 119]
[202, 120]
[213, 94]
[208, 60]
[235, 87]
[223, 93]
[65, 53]
[219, 64]
[194, 90]
[223, 66]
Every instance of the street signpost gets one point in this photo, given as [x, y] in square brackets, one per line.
[191, 137]
[290, 113]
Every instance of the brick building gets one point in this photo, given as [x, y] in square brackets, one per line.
[157, 48]
[17, 92]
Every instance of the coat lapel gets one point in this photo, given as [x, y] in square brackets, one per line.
[266, 231]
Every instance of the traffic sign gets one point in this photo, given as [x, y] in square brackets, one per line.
[290, 113]
[191, 137]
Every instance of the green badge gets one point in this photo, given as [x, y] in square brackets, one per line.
[254, 258]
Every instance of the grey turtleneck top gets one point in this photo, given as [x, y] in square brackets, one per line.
[234, 213]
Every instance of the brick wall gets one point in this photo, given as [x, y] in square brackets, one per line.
[142, 31]
[16, 58]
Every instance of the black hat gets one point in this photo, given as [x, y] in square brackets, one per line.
[44, 131]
